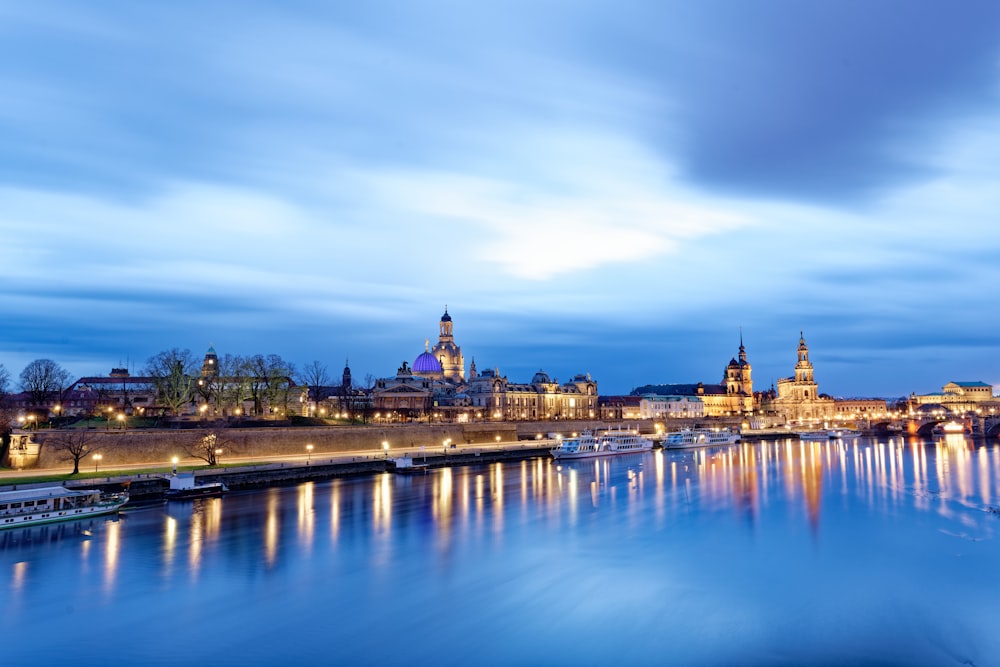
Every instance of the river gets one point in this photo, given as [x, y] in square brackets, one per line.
[772, 553]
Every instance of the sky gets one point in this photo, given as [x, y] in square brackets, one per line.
[618, 189]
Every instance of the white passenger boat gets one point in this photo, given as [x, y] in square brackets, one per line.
[829, 434]
[610, 443]
[700, 437]
[29, 507]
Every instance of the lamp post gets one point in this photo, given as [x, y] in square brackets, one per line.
[309, 453]
[97, 460]
[385, 448]
[174, 461]
[121, 421]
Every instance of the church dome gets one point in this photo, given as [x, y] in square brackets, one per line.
[446, 317]
[426, 363]
[733, 363]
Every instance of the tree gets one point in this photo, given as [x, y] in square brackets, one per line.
[43, 380]
[315, 376]
[172, 373]
[208, 446]
[75, 445]
[6, 418]
[269, 381]
[4, 382]
[232, 383]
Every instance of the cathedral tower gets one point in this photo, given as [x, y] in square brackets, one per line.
[447, 353]
[804, 368]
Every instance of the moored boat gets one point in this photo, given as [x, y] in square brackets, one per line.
[608, 443]
[30, 507]
[183, 487]
[700, 437]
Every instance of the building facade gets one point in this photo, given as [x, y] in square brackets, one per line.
[798, 398]
[959, 397]
[671, 407]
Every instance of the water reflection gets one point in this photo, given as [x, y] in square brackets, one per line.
[621, 530]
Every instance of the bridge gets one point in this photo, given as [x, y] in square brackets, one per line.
[978, 425]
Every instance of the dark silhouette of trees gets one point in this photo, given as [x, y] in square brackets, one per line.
[269, 381]
[232, 385]
[315, 376]
[44, 380]
[208, 446]
[172, 374]
[75, 445]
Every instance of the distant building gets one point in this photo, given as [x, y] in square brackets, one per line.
[671, 407]
[859, 408]
[611, 408]
[798, 397]
[959, 397]
[733, 396]
[437, 386]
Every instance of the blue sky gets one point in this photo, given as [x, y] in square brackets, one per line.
[613, 188]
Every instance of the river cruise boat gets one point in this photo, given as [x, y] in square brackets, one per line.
[829, 434]
[30, 507]
[700, 437]
[610, 443]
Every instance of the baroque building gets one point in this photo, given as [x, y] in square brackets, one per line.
[541, 399]
[436, 386]
[731, 397]
[798, 397]
[959, 397]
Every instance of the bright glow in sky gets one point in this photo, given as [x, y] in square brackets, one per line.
[590, 187]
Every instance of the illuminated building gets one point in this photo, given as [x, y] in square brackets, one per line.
[798, 397]
[733, 396]
[959, 397]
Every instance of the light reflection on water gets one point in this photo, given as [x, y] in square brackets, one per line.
[771, 553]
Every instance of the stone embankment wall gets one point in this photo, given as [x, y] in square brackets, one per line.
[160, 446]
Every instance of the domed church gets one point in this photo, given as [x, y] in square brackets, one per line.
[444, 361]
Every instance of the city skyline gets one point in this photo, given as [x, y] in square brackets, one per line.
[614, 192]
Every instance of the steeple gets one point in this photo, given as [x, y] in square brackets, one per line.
[345, 380]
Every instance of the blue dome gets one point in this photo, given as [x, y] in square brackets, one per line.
[426, 363]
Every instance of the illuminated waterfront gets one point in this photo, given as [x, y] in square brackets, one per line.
[770, 553]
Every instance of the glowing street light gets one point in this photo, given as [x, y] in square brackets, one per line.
[385, 448]
[309, 453]
[97, 460]
[121, 421]
[174, 461]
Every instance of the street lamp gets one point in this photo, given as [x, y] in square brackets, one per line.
[121, 421]
[97, 460]
[174, 461]
[309, 453]
[385, 448]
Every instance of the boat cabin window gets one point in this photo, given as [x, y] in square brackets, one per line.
[29, 503]
[3, 507]
[15, 505]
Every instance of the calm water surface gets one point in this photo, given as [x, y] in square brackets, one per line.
[875, 552]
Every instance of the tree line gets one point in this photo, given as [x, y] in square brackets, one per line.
[259, 381]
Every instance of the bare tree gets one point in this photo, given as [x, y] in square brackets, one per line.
[270, 381]
[315, 376]
[75, 445]
[4, 381]
[6, 414]
[44, 380]
[208, 446]
[172, 372]
[232, 383]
